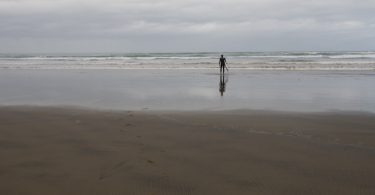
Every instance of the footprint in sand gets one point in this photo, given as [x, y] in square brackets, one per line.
[108, 172]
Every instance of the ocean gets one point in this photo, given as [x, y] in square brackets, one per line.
[313, 60]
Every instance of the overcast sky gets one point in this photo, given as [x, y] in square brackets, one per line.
[185, 25]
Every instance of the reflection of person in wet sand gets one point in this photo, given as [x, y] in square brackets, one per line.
[223, 82]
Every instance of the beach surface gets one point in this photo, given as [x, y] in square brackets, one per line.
[55, 150]
[172, 131]
[302, 91]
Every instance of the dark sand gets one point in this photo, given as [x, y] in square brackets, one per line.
[71, 151]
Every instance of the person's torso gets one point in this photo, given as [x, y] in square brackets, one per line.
[222, 61]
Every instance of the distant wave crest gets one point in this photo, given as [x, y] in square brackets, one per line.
[202, 60]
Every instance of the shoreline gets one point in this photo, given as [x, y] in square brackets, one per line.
[64, 150]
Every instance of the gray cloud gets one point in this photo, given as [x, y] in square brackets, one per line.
[185, 25]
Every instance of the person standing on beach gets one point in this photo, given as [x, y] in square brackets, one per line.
[222, 63]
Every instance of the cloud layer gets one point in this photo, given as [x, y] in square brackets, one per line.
[185, 25]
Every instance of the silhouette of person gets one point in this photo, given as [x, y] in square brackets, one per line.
[223, 82]
[222, 63]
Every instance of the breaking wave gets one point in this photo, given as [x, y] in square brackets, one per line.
[201, 60]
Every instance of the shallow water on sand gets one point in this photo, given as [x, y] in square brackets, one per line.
[191, 89]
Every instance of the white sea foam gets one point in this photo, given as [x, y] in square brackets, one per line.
[236, 60]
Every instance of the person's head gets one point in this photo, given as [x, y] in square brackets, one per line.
[222, 55]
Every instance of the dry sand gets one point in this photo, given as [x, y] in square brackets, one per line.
[72, 151]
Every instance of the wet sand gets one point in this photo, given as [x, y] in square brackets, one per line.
[49, 150]
[301, 91]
